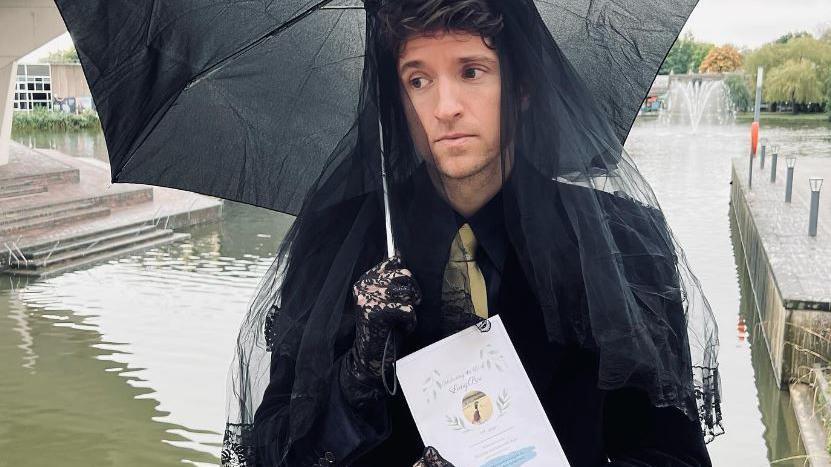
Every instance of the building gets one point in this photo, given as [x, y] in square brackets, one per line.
[33, 87]
[57, 86]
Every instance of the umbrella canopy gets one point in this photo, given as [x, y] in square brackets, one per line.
[245, 100]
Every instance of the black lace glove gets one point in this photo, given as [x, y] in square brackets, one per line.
[385, 297]
[432, 458]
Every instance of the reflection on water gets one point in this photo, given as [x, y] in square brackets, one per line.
[690, 174]
[81, 143]
[124, 363]
[781, 430]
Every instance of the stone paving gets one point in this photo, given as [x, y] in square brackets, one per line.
[801, 264]
[130, 203]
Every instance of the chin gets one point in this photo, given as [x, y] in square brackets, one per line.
[460, 167]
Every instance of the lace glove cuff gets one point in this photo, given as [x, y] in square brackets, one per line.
[358, 388]
[432, 458]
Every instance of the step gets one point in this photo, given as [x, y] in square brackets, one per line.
[73, 236]
[55, 177]
[57, 247]
[22, 190]
[74, 216]
[13, 183]
[94, 248]
[18, 216]
[108, 198]
[97, 258]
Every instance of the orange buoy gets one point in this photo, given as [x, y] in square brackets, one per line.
[754, 137]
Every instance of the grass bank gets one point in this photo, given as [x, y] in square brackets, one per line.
[41, 119]
[784, 117]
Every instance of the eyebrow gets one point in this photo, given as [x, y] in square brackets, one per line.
[462, 60]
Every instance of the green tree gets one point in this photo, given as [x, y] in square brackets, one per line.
[738, 92]
[69, 55]
[801, 53]
[795, 81]
[686, 55]
[792, 35]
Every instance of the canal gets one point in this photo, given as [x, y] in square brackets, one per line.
[124, 363]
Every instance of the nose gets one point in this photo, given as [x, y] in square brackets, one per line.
[449, 106]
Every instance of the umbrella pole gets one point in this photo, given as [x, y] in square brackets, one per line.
[387, 218]
[392, 334]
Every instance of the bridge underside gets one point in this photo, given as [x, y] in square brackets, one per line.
[25, 25]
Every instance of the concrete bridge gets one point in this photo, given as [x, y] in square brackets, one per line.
[25, 25]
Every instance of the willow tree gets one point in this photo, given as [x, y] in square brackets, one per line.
[795, 81]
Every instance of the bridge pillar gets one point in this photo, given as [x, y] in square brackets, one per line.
[8, 76]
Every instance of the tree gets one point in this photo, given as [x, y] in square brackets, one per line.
[796, 81]
[804, 53]
[792, 35]
[69, 55]
[738, 92]
[686, 55]
[721, 60]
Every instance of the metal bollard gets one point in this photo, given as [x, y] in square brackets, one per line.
[762, 155]
[774, 156]
[816, 185]
[790, 162]
[750, 173]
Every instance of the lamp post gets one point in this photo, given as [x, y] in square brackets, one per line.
[790, 162]
[764, 143]
[774, 156]
[816, 185]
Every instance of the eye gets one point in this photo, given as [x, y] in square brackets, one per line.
[417, 82]
[470, 72]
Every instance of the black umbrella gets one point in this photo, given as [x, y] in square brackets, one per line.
[245, 99]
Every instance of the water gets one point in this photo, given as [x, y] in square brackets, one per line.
[696, 99]
[124, 363]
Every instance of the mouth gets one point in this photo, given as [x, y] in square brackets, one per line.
[454, 138]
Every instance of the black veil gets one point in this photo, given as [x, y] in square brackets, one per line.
[572, 196]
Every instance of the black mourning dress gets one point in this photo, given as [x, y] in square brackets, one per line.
[595, 427]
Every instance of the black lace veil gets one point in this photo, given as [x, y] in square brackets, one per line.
[647, 318]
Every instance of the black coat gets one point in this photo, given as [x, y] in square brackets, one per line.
[593, 425]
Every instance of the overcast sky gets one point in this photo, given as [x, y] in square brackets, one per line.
[752, 23]
[748, 23]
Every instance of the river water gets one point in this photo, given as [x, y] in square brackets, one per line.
[124, 363]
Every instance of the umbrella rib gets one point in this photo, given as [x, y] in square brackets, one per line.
[218, 65]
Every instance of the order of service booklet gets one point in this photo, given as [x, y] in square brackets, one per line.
[472, 400]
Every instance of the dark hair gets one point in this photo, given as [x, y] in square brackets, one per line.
[401, 19]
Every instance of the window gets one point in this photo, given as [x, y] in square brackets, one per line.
[33, 86]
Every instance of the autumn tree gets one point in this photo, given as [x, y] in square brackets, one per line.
[721, 60]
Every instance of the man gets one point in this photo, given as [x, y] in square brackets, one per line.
[551, 258]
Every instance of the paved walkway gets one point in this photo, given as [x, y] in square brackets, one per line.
[801, 263]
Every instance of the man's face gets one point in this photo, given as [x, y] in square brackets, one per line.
[453, 82]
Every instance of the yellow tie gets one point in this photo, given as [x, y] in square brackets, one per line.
[462, 278]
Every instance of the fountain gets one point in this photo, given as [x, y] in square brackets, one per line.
[694, 99]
